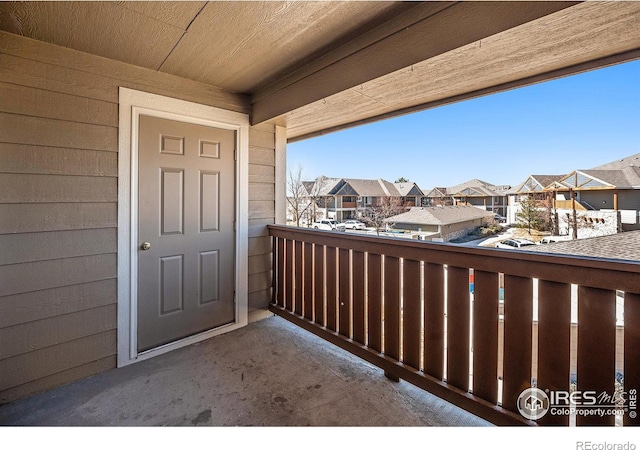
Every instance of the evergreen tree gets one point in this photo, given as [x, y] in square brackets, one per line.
[529, 216]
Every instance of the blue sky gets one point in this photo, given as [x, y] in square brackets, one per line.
[555, 127]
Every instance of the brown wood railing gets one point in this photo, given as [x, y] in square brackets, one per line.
[406, 307]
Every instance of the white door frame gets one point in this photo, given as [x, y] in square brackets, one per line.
[131, 105]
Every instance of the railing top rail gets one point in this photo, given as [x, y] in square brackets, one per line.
[585, 271]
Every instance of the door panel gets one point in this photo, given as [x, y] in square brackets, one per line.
[186, 210]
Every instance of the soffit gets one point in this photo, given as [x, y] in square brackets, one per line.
[530, 53]
[135, 33]
[238, 46]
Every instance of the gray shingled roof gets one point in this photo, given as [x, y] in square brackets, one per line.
[440, 215]
[633, 160]
[484, 188]
[621, 178]
[405, 188]
[616, 246]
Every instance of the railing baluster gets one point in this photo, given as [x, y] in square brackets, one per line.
[331, 288]
[288, 292]
[359, 329]
[344, 297]
[318, 284]
[631, 358]
[412, 313]
[378, 282]
[392, 307]
[485, 335]
[596, 347]
[434, 320]
[297, 307]
[518, 319]
[308, 281]
[554, 342]
[458, 305]
[374, 301]
[280, 270]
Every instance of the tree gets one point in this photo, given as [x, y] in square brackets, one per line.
[302, 196]
[377, 214]
[529, 216]
[401, 180]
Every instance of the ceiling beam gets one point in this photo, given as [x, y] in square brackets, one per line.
[428, 30]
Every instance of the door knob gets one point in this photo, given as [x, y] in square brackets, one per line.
[145, 246]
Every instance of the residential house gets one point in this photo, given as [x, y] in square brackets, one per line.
[607, 190]
[441, 223]
[606, 198]
[345, 198]
[535, 186]
[477, 193]
[131, 130]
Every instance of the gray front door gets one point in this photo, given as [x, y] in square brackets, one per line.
[186, 213]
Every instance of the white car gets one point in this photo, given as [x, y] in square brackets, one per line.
[328, 224]
[514, 243]
[354, 225]
[552, 239]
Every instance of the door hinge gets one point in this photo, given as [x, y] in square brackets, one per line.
[235, 154]
[234, 225]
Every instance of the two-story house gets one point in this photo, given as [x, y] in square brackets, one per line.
[346, 198]
[474, 192]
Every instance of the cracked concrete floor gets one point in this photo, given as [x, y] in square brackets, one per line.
[270, 373]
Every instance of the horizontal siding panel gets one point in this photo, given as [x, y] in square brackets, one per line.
[28, 188]
[259, 281]
[119, 73]
[261, 174]
[260, 263]
[27, 218]
[57, 133]
[262, 156]
[34, 276]
[26, 247]
[259, 138]
[58, 379]
[38, 364]
[40, 334]
[42, 103]
[23, 308]
[259, 299]
[23, 158]
[259, 246]
[27, 72]
[262, 191]
[261, 209]
[258, 227]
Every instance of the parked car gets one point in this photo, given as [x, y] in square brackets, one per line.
[514, 243]
[354, 225]
[500, 219]
[329, 225]
[551, 239]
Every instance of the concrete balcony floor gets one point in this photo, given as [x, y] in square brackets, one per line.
[270, 373]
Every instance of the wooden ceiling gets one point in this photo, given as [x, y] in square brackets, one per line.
[325, 65]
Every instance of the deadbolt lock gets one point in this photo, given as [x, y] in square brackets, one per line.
[145, 246]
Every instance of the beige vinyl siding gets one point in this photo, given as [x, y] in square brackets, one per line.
[262, 157]
[58, 208]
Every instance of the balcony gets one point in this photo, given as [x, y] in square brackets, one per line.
[408, 308]
[270, 373]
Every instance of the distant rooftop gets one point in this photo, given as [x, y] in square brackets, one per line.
[633, 160]
[440, 215]
[625, 246]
